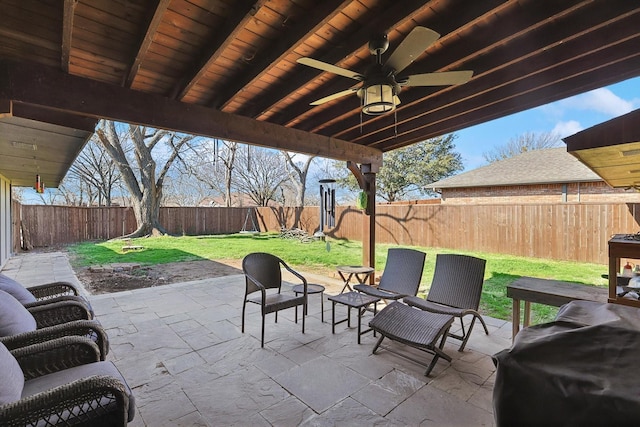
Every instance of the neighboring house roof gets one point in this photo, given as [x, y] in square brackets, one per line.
[549, 166]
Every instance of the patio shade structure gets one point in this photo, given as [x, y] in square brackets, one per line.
[229, 70]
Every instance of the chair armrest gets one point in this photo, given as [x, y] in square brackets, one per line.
[260, 286]
[60, 298]
[57, 405]
[59, 312]
[84, 328]
[295, 273]
[53, 289]
[55, 355]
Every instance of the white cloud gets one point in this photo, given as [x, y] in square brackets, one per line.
[563, 129]
[600, 100]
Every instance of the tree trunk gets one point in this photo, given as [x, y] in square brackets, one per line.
[147, 213]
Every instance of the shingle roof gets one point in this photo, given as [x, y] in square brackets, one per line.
[553, 165]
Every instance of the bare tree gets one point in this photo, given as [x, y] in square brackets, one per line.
[95, 168]
[298, 172]
[142, 175]
[212, 164]
[17, 194]
[528, 141]
[261, 174]
[180, 189]
[50, 196]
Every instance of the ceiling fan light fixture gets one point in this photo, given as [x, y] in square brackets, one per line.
[378, 99]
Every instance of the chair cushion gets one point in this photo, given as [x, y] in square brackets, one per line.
[56, 379]
[14, 288]
[11, 377]
[14, 318]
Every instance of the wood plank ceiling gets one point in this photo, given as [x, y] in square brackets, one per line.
[237, 59]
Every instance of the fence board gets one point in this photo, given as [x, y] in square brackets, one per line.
[567, 231]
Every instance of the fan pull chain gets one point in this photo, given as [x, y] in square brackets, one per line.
[395, 122]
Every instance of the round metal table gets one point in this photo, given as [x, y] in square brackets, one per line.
[348, 272]
[312, 288]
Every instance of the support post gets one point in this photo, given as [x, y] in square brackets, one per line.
[366, 177]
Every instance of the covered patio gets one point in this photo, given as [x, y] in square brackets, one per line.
[181, 350]
[234, 71]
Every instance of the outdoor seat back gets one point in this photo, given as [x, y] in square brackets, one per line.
[455, 290]
[265, 269]
[457, 281]
[401, 276]
[402, 271]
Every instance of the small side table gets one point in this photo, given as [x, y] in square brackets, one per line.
[352, 300]
[348, 272]
[311, 289]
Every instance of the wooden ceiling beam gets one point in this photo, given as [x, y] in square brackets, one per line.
[242, 11]
[516, 61]
[153, 22]
[458, 18]
[322, 14]
[398, 13]
[566, 60]
[68, 14]
[60, 118]
[471, 113]
[47, 87]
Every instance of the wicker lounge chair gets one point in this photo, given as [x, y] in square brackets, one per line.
[36, 296]
[455, 290]
[62, 382]
[263, 274]
[413, 327]
[20, 327]
[401, 276]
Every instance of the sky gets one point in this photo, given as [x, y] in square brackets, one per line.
[564, 118]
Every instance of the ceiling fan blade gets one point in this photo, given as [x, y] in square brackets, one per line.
[310, 62]
[416, 42]
[438, 79]
[334, 96]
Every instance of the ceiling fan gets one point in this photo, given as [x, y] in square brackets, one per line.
[381, 83]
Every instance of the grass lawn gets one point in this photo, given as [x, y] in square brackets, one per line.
[501, 269]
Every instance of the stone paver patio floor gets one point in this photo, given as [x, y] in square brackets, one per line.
[181, 350]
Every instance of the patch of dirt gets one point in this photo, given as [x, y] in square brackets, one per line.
[156, 275]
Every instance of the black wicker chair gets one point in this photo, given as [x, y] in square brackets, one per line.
[62, 382]
[401, 276]
[455, 290]
[263, 274]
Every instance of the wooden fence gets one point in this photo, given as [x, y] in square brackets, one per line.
[567, 231]
[42, 226]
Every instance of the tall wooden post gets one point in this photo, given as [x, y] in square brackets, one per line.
[366, 177]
